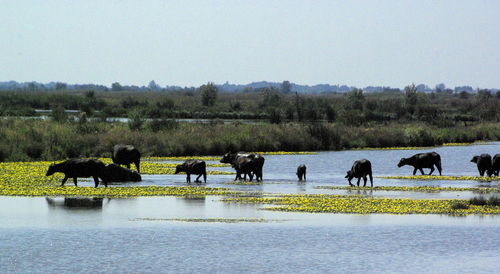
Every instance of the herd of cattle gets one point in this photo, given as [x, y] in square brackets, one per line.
[245, 164]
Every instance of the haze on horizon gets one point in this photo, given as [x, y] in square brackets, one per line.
[189, 43]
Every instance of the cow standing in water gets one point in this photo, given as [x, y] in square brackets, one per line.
[483, 162]
[75, 168]
[495, 165]
[196, 167]
[423, 160]
[246, 164]
[360, 168]
[301, 172]
[125, 155]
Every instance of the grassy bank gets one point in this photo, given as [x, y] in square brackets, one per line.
[25, 140]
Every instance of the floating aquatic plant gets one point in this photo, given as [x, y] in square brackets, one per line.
[28, 179]
[442, 178]
[320, 203]
[414, 188]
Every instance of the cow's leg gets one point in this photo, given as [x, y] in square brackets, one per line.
[198, 178]
[371, 179]
[75, 181]
[138, 166]
[304, 176]
[421, 171]
[350, 182]
[432, 170]
[188, 178]
[96, 182]
[64, 180]
[481, 172]
[205, 177]
[359, 179]
[250, 177]
[414, 171]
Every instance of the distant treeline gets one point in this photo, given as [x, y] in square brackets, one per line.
[28, 139]
[285, 87]
[353, 108]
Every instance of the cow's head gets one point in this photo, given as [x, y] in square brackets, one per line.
[402, 162]
[228, 158]
[52, 170]
[349, 175]
[475, 159]
[179, 168]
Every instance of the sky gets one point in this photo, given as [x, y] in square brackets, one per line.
[189, 43]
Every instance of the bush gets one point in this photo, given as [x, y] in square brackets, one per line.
[135, 121]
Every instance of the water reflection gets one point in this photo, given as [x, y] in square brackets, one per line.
[75, 203]
[360, 192]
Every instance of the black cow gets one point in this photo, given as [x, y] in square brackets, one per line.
[301, 172]
[75, 168]
[246, 166]
[254, 166]
[196, 167]
[116, 173]
[495, 165]
[258, 161]
[483, 162]
[423, 160]
[125, 155]
[360, 168]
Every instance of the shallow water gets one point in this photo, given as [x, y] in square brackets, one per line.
[138, 235]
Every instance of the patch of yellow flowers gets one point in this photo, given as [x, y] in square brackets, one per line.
[447, 178]
[390, 148]
[319, 203]
[414, 188]
[28, 179]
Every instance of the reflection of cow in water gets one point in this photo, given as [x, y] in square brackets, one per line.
[422, 160]
[246, 164]
[495, 165]
[301, 172]
[75, 202]
[360, 168]
[75, 168]
[196, 167]
[483, 162]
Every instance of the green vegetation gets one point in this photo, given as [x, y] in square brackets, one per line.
[281, 121]
[353, 108]
[23, 140]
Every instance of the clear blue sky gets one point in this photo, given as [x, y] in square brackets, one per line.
[189, 43]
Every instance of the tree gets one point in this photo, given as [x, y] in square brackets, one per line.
[411, 98]
[153, 85]
[440, 87]
[208, 94]
[286, 87]
[356, 99]
[61, 86]
[116, 86]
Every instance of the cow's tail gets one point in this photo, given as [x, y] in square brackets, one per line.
[438, 164]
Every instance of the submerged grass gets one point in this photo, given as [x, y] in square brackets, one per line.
[319, 203]
[443, 178]
[414, 188]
